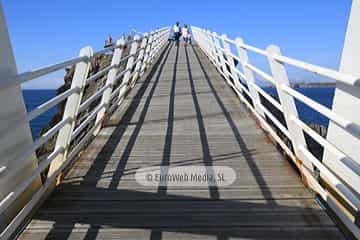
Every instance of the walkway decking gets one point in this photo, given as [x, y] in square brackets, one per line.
[182, 114]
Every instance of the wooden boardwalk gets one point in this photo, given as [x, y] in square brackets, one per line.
[183, 114]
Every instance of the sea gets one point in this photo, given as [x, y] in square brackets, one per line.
[322, 95]
[34, 98]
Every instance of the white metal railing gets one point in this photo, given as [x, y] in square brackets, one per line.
[142, 53]
[221, 53]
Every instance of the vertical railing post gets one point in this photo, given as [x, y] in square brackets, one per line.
[153, 47]
[158, 43]
[231, 62]
[202, 40]
[199, 38]
[195, 35]
[249, 75]
[110, 81]
[164, 39]
[217, 52]
[220, 56]
[288, 103]
[153, 38]
[147, 54]
[161, 40]
[71, 109]
[129, 67]
[212, 49]
[209, 45]
[139, 59]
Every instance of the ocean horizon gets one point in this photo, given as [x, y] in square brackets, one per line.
[324, 95]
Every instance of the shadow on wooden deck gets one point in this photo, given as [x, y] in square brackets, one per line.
[157, 213]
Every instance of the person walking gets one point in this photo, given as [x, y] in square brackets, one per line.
[185, 34]
[177, 33]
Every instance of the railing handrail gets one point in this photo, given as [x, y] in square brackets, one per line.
[142, 52]
[323, 71]
[218, 50]
[353, 128]
[30, 75]
[152, 42]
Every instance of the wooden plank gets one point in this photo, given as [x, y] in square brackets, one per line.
[182, 115]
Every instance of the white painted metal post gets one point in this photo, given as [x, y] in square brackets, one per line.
[249, 75]
[139, 59]
[147, 54]
[195, 34]
[199, 38]
[160, 41]
[153, 48]
[202, 41]
[129, 66]
[346, 103]
[13, 172]
[164, 39]
[220, 55]
[231, 63]
[71, 108]
[205, 41]
[287, 102]
[110, 81]
[212, 53]
[211, 48]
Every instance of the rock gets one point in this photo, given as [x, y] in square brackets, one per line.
[97, 64]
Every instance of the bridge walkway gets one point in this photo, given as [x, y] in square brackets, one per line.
[182, 114]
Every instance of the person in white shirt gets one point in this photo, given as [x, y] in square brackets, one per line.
[185, 34]
[177, 33]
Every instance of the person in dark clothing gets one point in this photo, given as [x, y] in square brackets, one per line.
[177, 33]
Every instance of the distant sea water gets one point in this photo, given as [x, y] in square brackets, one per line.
[34, 98]
[322, 95]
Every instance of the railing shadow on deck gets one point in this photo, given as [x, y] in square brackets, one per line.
[118, 132]
[329, 175]
[109, 217]
[222, 226]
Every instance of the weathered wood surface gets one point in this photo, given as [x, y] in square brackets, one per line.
[183, 114]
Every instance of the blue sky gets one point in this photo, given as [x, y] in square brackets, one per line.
[44, 32]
